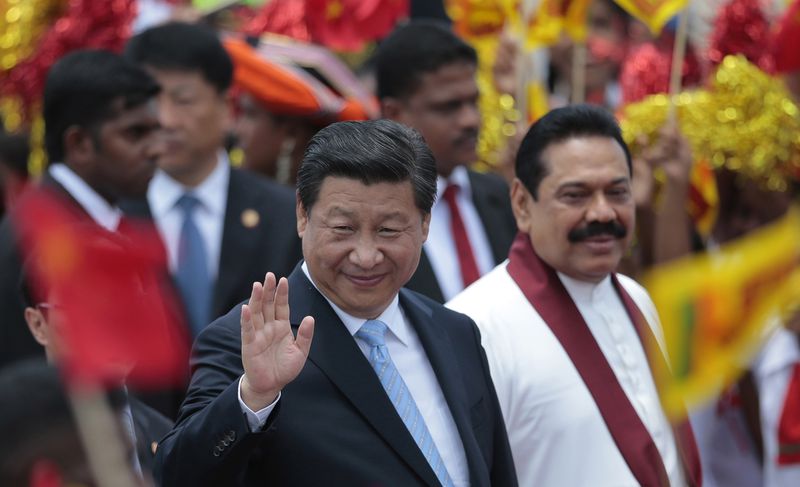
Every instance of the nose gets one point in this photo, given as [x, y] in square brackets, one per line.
[469, 116]
[366, 254]
[600, 210]
[167, 113]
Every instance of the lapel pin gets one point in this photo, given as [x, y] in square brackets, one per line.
[250, 218]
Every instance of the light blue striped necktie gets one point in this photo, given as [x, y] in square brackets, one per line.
[372, 333]
[192, 273]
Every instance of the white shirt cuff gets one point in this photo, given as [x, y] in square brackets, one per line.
[255, 419]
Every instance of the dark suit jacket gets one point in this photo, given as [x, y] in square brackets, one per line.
[149, 426]
[334, 424]
[249, 250]
[16, 341]
[491, 199]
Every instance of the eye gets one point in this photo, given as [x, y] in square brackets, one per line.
[342, 229]
[619, 193]
[388, 232]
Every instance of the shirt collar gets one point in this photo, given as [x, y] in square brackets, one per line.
[100, 210]
[584, 291]
[459, 176]
[781, 350]
[392, 315]
[164, 191]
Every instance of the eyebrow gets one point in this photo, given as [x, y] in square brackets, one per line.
[580, 184]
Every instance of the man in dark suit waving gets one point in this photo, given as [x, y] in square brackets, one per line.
[393, 391]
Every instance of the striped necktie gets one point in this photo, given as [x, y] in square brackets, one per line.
[372, 333]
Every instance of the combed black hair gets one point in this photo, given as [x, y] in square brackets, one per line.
[179, 46]
[82, 89]
[414, 49]
[558, 125]
[375, 151]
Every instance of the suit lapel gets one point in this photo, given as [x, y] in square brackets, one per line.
[439, 350]
[336, 354]
[489, 206]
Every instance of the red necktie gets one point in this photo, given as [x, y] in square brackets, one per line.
[789, 427]
[466, 259]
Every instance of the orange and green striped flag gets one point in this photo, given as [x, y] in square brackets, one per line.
[716, 310]
[654, 13]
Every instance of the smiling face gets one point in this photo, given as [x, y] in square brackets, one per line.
[362, 242]
[584, 217]
[444, 109]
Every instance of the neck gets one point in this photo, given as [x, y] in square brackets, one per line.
[195, 176]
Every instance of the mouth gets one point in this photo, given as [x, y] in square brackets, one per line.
[600, 244]
[365, 281]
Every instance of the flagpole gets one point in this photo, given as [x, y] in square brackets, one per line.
[578, 72]
[678, 54]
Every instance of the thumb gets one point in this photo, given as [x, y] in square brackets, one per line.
[305, 333]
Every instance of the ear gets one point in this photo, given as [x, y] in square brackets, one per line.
[302, 216]
[37, 325]
[79, 149]
[229, 108]
[521, 202]
[426, 226]
[392, 108]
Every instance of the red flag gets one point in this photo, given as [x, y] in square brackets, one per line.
[109, 301]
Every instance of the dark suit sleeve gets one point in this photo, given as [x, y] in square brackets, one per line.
[212, 442]
[503, 471]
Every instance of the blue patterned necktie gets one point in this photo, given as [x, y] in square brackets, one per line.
[372, 333]
[192, 274]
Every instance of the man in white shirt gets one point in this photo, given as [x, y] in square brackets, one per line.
[426, 80]
[223, 228]
[394, 390]
[564, 334]
[101, 137]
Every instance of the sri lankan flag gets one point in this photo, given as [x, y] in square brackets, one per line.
[654, 13]
[552, 17]
[717, 309]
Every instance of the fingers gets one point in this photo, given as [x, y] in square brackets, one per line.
[268, 306]
[246, 320]
[282, 300]
[305, 334]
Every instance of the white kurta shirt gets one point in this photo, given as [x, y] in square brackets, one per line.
[557, 434]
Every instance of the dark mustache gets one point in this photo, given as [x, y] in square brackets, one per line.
[466, 135]
[594, 229]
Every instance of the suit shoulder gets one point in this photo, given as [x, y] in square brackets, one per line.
[255, 184]
[488, 180]
[434, 307]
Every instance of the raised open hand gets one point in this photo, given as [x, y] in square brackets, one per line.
[271, 355]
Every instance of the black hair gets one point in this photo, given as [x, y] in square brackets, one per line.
[582, 120]
[374, 151]
[414, 49]
[179, 46]
[83, 89]
[14, 150]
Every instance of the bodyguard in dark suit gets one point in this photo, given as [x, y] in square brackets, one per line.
[223, 228]
[101, 139]
[426, 80]
[394, 389]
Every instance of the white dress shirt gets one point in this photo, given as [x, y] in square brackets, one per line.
[773, 371]
[556, 431]
[440, 246]
[101, 211]
[209, 216]
[726, 446]
[411, 361]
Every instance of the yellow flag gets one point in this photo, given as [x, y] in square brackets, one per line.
[654, 13]
[717, 309]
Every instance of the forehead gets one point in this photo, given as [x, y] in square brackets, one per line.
[452, 80]
[345, 195]
[145, 113]
[179, 79]
[584, 159]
